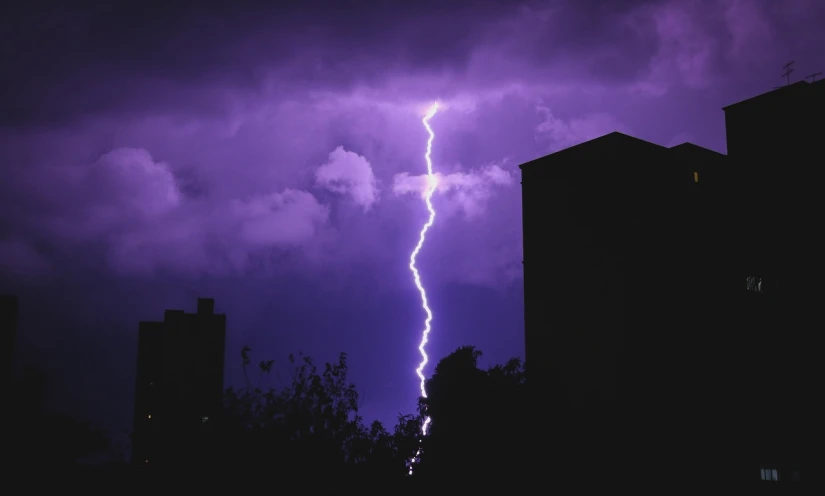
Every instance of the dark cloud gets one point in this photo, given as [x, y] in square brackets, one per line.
[64, 62]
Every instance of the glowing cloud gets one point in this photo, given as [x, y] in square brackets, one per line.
[351, 174]
[463, 192]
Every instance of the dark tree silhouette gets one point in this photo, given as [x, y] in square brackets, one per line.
[310, 426]
[479, 426]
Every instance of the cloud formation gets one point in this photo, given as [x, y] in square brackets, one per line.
[230, 238]
[290, 218]
[132, 179]
[467, 192]
[131, 206]
[558, 134]
[349, 174]
[194, 163]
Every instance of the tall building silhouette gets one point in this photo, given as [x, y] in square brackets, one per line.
[775, 141]
[659, 284]
[179, 387]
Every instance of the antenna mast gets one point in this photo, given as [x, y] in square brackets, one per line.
[788, 70]
[813, 76]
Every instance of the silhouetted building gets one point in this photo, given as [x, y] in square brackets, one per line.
[179, 389]
[645, 311]
[776, 145]
[8, 329]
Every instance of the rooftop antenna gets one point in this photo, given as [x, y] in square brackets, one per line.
[813, 76]
[788, 70]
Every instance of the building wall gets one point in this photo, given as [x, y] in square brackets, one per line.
[179, 383]
[599, 254]
[620, 269]
[8, 335]
[147, 434]
[775, 142]
[637, 315]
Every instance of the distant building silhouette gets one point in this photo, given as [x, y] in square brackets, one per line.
[8, 329]
[179, 389]
[645, 310]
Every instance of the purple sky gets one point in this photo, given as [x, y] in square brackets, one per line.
[271, 159]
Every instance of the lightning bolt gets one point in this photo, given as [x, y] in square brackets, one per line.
[432, 183]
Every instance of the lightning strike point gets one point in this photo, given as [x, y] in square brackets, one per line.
[432, 184]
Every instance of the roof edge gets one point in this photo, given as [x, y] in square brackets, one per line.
[695, 146]
[615, 134]
[795, 85]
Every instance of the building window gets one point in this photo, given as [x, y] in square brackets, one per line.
[754, 283]
[695, 177]
[770, 474]
[204, 419]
